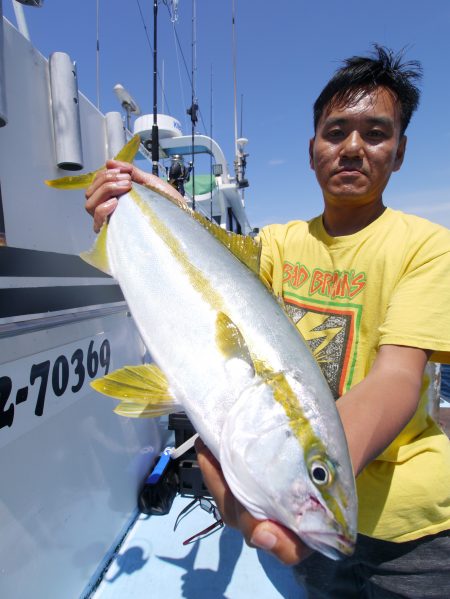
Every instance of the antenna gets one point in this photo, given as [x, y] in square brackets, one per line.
[174, 13]
[192, 111]
[233, 26]
[242, 113]
[98, 56]
[211, 154]
[155, 133]
[127, 102]
[240, 161]
[20, 16]
[162, 89]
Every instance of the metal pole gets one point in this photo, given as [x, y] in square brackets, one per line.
[3, 107]
[194, 66]
[21, 21]
[155, 136]
[233, 21]
[97, 55]
[210, 154]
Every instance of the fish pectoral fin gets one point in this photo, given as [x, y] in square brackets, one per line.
[142, 390]
[97, 256]
[126, 154]
[230, 340]
[138, 410]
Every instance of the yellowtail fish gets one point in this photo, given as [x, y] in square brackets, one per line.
[226, 352]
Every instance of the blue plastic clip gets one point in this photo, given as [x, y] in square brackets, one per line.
[160, 467]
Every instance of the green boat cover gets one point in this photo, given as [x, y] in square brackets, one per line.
[203, 184]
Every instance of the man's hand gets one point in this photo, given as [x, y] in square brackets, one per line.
[115, 180]
[110, 183]
[263, 534]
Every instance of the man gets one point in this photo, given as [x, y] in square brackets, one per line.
[366, 286]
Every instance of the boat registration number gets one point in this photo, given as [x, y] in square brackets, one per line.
[40, 381]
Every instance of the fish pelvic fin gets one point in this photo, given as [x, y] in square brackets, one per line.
[143, 391]
[126, 154]
[97, 256]
[230, 339]
[243, 247]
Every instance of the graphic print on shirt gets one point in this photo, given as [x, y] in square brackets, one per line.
[330, 327]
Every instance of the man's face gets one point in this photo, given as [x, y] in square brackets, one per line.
[356, 148]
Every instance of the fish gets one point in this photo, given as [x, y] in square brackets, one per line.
[226, 352]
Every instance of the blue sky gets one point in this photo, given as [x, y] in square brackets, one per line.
[286, 51]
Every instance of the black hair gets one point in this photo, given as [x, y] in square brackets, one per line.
[366, 73]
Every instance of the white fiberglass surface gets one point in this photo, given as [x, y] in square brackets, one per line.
[70, 476]
[36, 216]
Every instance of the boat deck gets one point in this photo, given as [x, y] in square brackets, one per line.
[152, 562]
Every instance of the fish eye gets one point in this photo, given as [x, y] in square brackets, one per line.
[320, 473]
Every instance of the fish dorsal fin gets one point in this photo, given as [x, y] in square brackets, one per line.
[243, 247]
[230, 339]
[97, 256]
[126, 154]
[143, 391]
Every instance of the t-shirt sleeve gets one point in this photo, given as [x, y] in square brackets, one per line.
[418, 313]
[266, 260]
[272, 238]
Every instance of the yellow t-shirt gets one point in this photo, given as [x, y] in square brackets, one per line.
[386, 284]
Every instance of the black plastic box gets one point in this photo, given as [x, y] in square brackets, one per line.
[191, 481]
[184, 430]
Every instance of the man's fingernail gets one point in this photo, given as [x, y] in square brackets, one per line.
[109, 203]
[123, 183]
[264, 540]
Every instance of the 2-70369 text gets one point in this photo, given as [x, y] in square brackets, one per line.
[65, 372]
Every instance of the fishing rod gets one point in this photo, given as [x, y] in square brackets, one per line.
[240, 161]
[192, 111]
[155, 132]
[211, 152]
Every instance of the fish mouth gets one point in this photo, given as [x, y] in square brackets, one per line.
[320, 531]
[332, 545]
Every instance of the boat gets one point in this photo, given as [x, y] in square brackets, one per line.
[71, 470]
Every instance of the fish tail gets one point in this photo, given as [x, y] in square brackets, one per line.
[126, 154]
